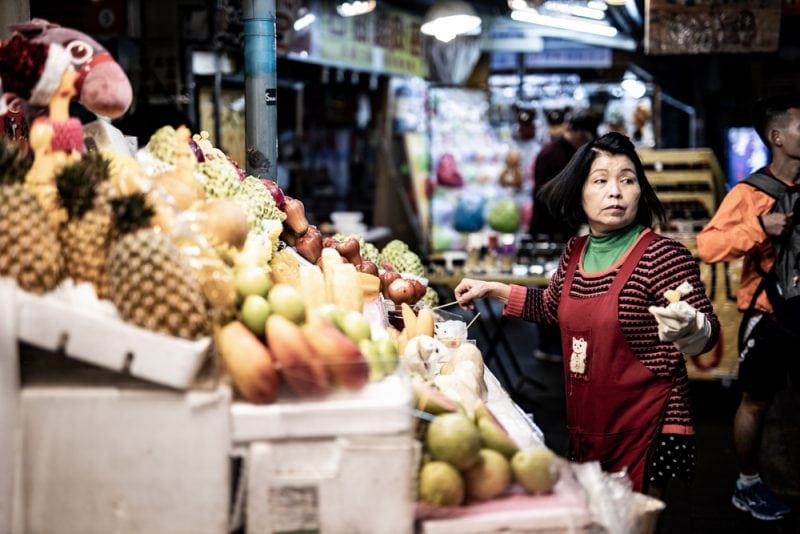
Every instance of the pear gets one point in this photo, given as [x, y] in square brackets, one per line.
[493, 434]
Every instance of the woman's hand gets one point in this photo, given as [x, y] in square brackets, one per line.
[468, 290]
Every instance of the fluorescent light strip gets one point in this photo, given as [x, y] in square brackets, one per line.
[304, 22]
[565, 24]
[578, 11]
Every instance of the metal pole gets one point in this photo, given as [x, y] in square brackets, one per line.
[261, 88]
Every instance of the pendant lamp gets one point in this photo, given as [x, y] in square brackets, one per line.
[447, 19]
[355, 8]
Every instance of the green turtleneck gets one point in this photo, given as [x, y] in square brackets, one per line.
[602, 251]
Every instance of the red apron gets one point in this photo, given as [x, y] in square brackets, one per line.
[614, 403]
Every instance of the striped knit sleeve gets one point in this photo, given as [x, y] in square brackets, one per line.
[540, 305]
[665, 265]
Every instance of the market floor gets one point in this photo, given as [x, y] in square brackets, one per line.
[705, 507]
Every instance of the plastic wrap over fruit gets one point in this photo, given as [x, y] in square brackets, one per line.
[216, 278]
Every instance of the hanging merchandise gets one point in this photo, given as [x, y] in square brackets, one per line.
[469, 213]
[447, 172]
[486, 167]
[512, 174]
[503, 215]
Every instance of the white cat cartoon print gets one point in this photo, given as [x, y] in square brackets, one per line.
[577, 360]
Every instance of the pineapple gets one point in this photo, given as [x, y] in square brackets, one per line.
[85, 238]
[29, 247]
[152, 285]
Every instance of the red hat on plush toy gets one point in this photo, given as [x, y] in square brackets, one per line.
[32, 71]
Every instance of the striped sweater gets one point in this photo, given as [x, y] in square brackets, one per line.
[664, 265]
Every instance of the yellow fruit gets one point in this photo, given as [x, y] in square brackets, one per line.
[409, 320]
[440, 484]
[454, 439]
[425, 322]
[489, 477]
[535, 469]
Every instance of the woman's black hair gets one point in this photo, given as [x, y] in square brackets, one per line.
[563, 194]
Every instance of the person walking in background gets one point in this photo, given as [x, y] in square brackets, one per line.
[627, 388]
[744, 226]
[581, 127]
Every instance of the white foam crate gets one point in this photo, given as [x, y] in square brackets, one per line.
[344, 464]
[379, 408]
[129, 460]
[51, 323]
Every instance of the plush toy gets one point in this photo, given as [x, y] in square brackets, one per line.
[101, 85]
[43, 74]
[512, 174]
[447, 171]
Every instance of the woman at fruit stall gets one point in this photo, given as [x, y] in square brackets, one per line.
[631, 306]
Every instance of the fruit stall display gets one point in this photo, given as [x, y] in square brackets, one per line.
[175, 257]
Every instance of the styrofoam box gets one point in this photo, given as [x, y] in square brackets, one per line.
[379, 408]
[346, 464]
[106, 341]
[125, 460]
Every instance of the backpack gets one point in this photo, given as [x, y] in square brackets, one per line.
[782, 282]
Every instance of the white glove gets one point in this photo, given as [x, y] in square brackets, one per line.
[684, 326]
[675, 321]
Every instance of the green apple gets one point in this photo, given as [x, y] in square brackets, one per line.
[355, 326]
[370, 352]
[252, 280]
[333, 313]
[387, 349]
[254, 312]
[287, 302]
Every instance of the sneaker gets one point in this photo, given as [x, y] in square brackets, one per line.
[759, 500]
[547, 356]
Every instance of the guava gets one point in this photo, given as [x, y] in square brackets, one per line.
[252, 280]
[453, 438]
[535, 469]
[440, 484]
[288, 302]
[489, 477]
[254, 312]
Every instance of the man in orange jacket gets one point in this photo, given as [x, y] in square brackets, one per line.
[744, 227]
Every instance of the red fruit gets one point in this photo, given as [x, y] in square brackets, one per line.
[387, 277]
[419, 289]
[198, 152]
[400, 291]
[309, 245]
[277, 194]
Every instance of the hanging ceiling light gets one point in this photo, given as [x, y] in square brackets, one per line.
[352, 9]
[447, 19]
